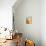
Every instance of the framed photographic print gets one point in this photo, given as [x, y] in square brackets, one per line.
[29, 20]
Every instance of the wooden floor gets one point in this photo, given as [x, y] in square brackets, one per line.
[12, 42]
[9, 43]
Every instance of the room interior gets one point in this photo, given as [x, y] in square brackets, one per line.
[23, 23]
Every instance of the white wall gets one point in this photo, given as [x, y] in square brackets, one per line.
[38, 20]
[43, 22]
[6, 13]
[25, 9]
[6, 18]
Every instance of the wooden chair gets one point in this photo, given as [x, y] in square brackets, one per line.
[29, 43]
[18, 37]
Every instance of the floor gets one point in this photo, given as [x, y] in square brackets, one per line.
[9, 43]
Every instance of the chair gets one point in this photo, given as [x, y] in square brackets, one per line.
[29, 43]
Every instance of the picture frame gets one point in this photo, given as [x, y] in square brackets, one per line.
[29, 20]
